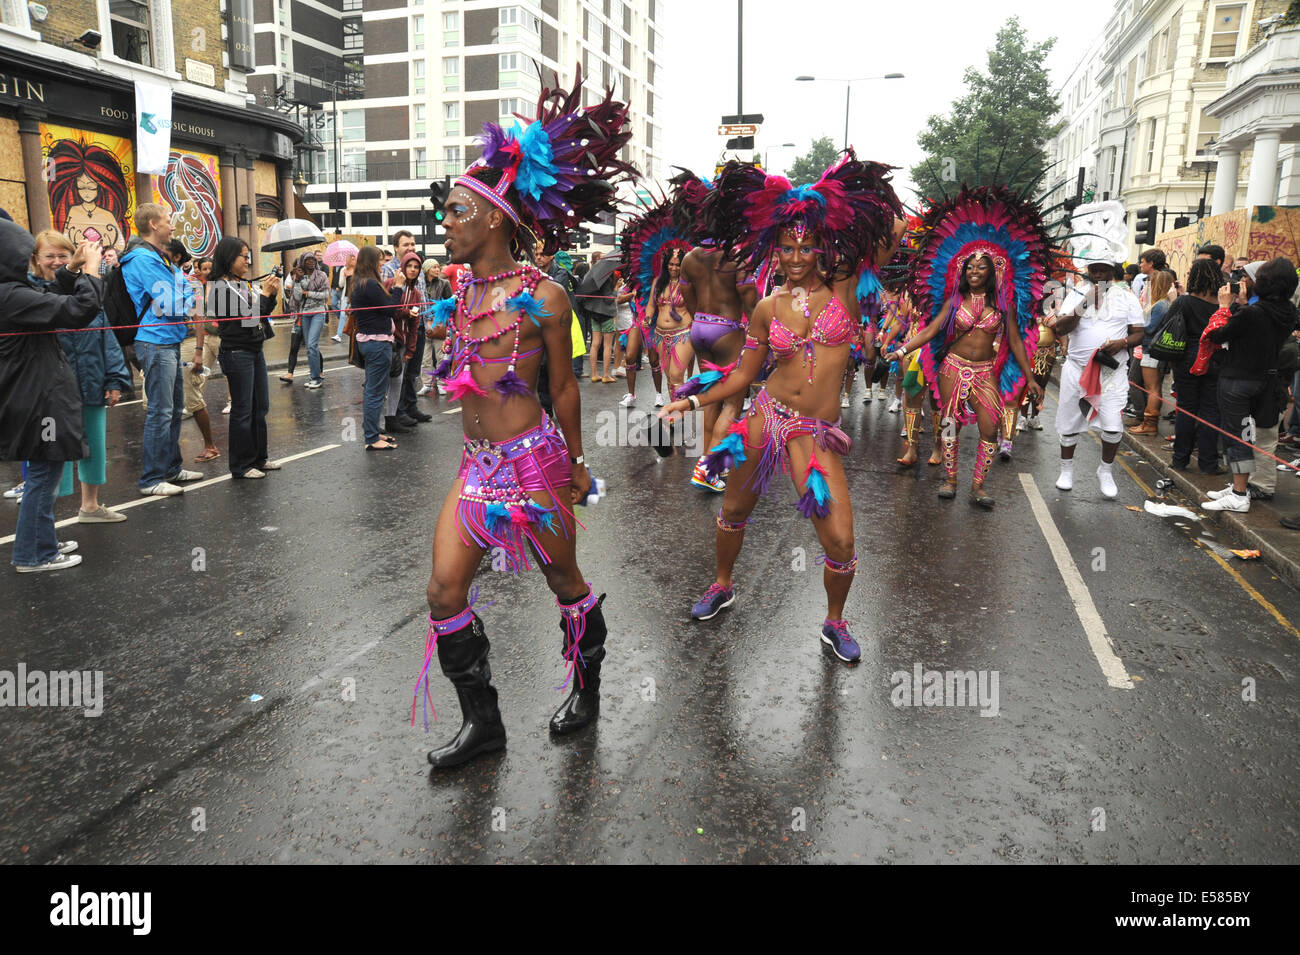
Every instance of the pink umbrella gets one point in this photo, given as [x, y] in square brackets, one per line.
[338, 251]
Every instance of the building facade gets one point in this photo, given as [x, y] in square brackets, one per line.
[418, 79]
[68, 120]
[1158, 66]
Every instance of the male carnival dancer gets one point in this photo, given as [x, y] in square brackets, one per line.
[519, 474]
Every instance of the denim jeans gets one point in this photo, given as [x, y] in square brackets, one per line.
[245, 372]
[378, 356]
[408, 405]
[1293, 423]
[312, 326]
[340, 301]
[35, 541]
[164, 387]
[336, 298]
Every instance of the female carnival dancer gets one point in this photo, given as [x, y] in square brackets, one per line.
[820, 233]
[719, 295]
[980, 272]
[649, 244]
[670, 329]
[519, 474]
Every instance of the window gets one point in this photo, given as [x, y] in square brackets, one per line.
[451, 21]
[1206, 131]
[1225, 25]
[418, 116]
[451, 66]
[1132, 82]
[1171, 56]
[353, 125]
[352, 6]
[132, 27]
[354, 164]
[421, 163]
[451, 160]
[511, 106]
[507, 16]
[284, 50]
[418, 68]
[1151, 144]
[353, 37]
[451, 110]
[417, 33]
[507, 61]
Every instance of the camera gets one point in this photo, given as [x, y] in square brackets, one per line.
[278, 271]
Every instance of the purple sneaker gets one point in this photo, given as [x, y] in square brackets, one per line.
[835, 634]
[716, 598]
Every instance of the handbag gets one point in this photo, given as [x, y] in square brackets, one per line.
[397, 365]
[1169, 343]
[355, 358]
[1267, 406]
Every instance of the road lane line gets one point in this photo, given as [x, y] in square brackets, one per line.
[189, 489]
[1111, 666]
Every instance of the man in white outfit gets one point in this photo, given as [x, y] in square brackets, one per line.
[1109, 319]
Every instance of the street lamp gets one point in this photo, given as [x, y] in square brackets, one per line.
[768, 152]
[1210, 160]
[848, 87]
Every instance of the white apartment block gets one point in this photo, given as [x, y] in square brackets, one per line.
[1144, 116]
[426, 75]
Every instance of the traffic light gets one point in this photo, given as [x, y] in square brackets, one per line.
[1182, 222]
[1146, 226]
[438, 192]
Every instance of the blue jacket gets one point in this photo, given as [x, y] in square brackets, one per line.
[149, 278]
[97, 359]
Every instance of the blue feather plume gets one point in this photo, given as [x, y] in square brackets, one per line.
[530, 306]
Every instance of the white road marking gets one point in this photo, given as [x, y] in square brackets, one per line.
[1112, 667]
[189, 489]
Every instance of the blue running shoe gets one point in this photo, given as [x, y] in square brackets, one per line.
[835, 634]
[716, 598]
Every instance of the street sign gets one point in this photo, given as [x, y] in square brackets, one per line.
[738, 129]
[754, 118]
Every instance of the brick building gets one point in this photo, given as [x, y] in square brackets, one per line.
[68, 119]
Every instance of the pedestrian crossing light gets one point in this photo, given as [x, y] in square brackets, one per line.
[1146, 226]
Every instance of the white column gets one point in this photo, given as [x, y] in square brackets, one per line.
[1225, 181]
[1262, 189]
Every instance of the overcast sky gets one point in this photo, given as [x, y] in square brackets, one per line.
[931, 42]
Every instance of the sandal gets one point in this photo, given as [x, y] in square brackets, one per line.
[287, 379]
[607, 381]
[947, 492]
[380, 445]
[980, 499]
[207, 455]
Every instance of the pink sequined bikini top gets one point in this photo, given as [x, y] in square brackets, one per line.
[832, 327]
[988, 320]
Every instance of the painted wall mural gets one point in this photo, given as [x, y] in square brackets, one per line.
[91, 182]
[192, 187]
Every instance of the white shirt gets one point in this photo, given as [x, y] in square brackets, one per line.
[1100, 324]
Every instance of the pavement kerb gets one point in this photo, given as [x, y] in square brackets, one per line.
[1285, 562]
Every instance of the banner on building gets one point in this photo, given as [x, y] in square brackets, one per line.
[239, 32]
[153, 128]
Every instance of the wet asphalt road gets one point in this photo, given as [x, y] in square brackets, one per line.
[732, 740]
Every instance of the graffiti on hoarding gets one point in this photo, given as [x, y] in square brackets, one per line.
[192, 187]
[91, 183]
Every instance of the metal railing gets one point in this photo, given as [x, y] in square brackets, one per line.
[386, 171]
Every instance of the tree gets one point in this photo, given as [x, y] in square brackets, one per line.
[809, 167]
[998, 130]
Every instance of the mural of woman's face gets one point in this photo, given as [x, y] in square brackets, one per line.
[87, 189]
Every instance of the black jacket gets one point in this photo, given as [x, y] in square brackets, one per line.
[228, 298]
[40, 402]
[1196, 313]
[1255, 335]
[372, 306]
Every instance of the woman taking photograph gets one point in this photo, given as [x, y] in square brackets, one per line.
[102, 376]
[406, 288]
[37, 385]
[372, 308]
[230, 296]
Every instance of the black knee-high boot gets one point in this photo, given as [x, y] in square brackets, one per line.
[463, 656]
[583, 623]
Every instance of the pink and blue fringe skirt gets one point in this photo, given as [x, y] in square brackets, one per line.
[496, 507]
